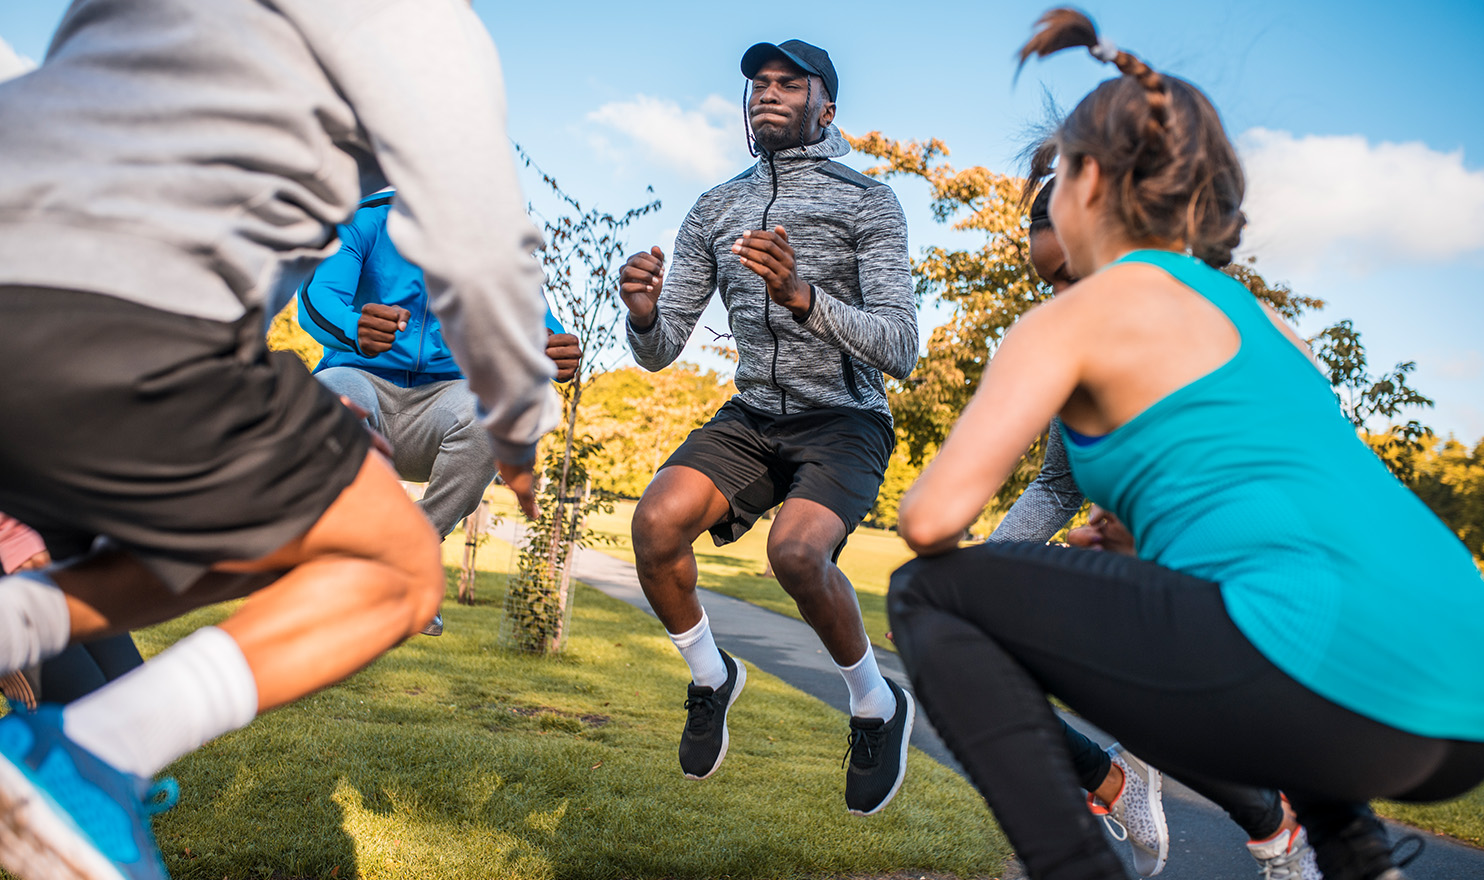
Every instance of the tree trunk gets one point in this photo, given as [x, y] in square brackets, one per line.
[475, 525]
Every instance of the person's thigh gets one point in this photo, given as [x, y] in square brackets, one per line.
[1151, 656]
[426, 422]
[741, 465]
[200, 446]
[838, 459]
[805, 527]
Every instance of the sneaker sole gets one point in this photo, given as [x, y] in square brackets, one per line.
[902, 759]
[37, 842]
[725, 734]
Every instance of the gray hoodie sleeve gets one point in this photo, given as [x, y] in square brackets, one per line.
[688, 285]
[425, 81]
[1048, 503]
[883, 333]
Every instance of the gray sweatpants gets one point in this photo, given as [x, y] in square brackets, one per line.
[435, 436]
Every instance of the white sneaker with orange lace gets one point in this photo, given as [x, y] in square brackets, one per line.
[1286, 856]
[1137, 813]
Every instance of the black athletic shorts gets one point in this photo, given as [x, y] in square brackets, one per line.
[180, 439]
[835, 456]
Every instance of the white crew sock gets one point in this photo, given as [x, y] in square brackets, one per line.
[869, 695]
[196, 690]
[34, 623]
[696, 645]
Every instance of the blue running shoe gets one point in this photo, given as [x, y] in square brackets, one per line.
[67, 815]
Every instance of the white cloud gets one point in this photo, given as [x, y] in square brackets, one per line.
[706, 142]
[1327, 201]
[12, 63]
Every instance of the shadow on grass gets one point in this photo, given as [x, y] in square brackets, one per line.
[451, 758]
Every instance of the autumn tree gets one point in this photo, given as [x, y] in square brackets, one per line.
[1449, 478]
[988, 288]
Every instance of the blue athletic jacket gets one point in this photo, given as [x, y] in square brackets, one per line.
[368, 269]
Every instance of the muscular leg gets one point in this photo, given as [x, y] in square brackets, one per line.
[363, 578]
[678, 506]
[800, 546]
[440, 440]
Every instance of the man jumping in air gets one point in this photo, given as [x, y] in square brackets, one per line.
[810, 259]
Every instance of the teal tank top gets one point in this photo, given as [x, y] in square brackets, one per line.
[1252, 477]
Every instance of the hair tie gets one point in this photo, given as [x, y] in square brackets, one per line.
[1105, 50]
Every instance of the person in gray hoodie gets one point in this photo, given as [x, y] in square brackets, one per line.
[810, 259]
[171, 172]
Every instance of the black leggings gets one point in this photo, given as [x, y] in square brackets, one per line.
[1258, 811]
[84, 667]
[1151, 656]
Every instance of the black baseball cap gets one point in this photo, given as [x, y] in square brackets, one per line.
[810, 59]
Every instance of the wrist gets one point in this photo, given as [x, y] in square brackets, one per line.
[802, 305]
[645, 323]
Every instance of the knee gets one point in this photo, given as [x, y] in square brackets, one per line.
[656, 530]
[800, 567]
[350, 383]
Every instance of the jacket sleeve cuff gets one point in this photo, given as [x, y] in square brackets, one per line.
[517, 454]
[647, 330]
[813, 297]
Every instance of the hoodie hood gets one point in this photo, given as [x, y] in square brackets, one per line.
[832, 146]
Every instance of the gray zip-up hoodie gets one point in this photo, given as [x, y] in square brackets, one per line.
[195, 155]
[850, 242]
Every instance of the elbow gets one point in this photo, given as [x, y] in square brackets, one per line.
[927, 527]
[903, 365]
[923, 537]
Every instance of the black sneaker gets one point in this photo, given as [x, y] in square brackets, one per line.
[1362, 849]
[878, 756]
[435, 626]
[703, 743]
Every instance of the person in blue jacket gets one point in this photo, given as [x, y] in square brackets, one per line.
[384, 351]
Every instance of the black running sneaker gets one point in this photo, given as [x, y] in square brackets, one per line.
[878, 756]
[1361, 848]
[703, 743]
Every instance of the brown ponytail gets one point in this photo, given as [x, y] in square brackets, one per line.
[1173, 173]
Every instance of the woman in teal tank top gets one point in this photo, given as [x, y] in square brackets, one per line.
[1255, 640]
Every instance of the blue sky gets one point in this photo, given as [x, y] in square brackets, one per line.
[1360, 125]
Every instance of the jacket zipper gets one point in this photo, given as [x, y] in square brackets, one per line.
[768, 300]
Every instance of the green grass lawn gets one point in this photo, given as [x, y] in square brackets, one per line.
[451, 758]
[868, 560]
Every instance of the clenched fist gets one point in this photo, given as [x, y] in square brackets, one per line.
[639, 284]
[377, 329]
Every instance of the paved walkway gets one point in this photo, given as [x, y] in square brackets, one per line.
[1204, 844]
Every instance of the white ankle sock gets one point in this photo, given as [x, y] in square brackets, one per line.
[34, 623]
[869, 695]
[696, 645]
[196, 690]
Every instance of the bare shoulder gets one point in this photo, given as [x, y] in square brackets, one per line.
[1115, 295]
